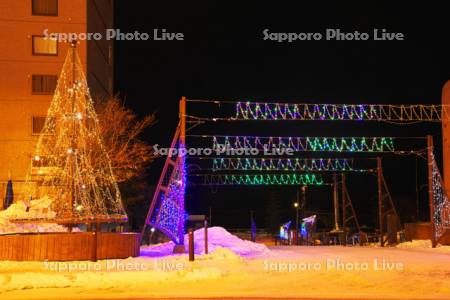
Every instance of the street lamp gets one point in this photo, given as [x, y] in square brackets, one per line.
[152, 231]
[298, 206]
[304, 195]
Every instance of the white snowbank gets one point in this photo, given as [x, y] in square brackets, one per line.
[38, 209]
[223, 273]
[217, 237]
[423, 245]
[124, 274]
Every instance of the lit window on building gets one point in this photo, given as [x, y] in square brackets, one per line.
[45, 7]
[38, 123]
[43, 84]
[44, 46]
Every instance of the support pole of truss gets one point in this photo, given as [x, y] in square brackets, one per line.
[336, 202]
[180, 248]
[344, 206]
[183, 120]
[380, 200]
[445, 116]
[344, 203]
[430, 189]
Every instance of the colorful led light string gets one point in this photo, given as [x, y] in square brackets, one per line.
[262, 179]
[169, 215]
[330, 112]
[324, 144]
[440, 201]
[282, 164]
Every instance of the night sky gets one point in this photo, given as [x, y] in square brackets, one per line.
[223, 56]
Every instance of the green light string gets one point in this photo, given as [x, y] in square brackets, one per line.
[263, 179]
[299, 144]
[281, 164]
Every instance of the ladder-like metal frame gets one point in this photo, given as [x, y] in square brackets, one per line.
[348, 211]
[171, 168]
[163, 186]
[385, 204]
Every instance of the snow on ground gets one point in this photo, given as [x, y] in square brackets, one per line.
[284, 271]
[217, 237]
[423, 245]
[38, 209]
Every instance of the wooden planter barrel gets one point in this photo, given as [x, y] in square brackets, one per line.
[66, 246]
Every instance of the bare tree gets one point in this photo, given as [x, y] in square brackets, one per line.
[121, 129]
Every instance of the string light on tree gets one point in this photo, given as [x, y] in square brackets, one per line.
[70, 163]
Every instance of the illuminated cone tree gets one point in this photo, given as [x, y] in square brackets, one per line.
[70, 164]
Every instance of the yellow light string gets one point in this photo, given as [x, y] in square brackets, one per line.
[70, 164]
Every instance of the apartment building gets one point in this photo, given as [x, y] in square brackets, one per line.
[30, 64]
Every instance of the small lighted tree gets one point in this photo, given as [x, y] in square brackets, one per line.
[70, 164]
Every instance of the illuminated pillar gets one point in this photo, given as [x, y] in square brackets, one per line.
[446, 134]
[431, 190]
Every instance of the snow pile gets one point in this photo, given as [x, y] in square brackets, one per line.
[220, 253]
[38, 209]
[218, 237]
[415, 244]
[223, 274]
[112, 274]
[423, 244]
